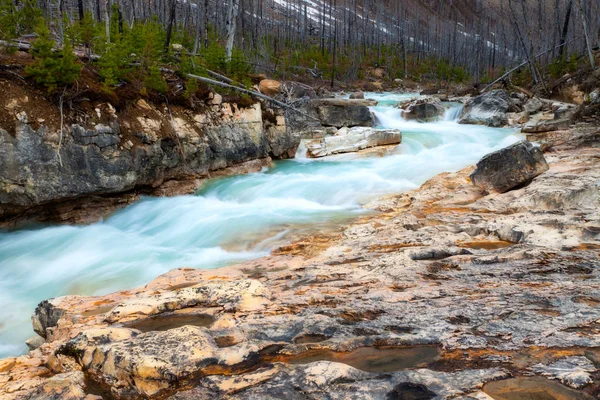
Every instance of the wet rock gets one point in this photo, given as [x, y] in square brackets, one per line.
[571, 371]
[508, 168]
[352, 140]
[488, 109]
[424, 110]
[344, 113]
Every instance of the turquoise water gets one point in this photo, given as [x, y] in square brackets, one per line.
[229, 220]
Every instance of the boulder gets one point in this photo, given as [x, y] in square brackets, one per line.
[352, 140]
[269, 87]
[344, 113]
[533, 105]
[510, 167]
[357, 95]
[488, 109]
[424, 110]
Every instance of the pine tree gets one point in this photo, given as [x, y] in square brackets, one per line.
[52, 69]
[154, 80]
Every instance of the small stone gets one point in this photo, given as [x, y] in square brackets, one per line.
[22, 117]
[34, 342]
[216, 100]
[128, 145]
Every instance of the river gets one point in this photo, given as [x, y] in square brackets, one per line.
[229, 220]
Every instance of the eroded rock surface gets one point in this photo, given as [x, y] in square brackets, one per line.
[501, 285]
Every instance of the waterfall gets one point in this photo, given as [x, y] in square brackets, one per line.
[453, 112]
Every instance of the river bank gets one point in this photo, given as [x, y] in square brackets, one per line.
[498, 285]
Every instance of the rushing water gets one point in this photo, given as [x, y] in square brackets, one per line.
[229, 220]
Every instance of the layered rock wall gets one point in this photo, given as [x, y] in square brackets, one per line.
[143, 149]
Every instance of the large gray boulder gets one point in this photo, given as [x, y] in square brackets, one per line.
[424, 110]
[352, 140]
[488, 109]
[510, 167]
[344, 112]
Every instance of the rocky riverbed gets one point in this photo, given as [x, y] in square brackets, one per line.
[442, 291]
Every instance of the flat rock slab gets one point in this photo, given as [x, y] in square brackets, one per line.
[352, 140]
[510, 167]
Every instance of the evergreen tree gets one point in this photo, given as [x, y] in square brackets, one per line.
[155, 81]
[52, 69]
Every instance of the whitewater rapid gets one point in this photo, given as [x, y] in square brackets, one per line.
[229, 220]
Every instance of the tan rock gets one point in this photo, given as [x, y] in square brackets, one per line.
[269, 87]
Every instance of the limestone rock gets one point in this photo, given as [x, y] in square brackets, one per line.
[512, 166]
[488, 109]
[424, 110]
[352, 140]
[344, 113]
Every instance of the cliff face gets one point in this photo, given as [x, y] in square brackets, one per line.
[46, 174]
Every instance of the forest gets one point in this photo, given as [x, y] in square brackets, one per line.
[331, 40]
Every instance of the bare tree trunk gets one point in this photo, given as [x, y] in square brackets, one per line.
[565, 30]
[107, 19]
[587, 37]
[80, 9]
[230, 24]
[170, 26]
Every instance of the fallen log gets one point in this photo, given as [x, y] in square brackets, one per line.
[525, 63]
[250, 92]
